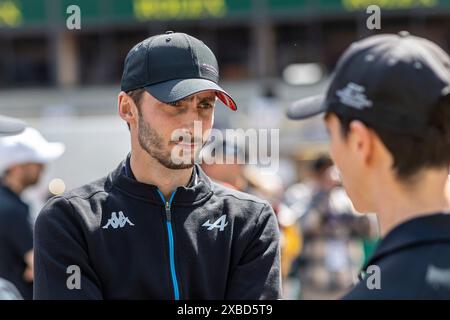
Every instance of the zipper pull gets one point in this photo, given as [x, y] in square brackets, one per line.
[168, 213]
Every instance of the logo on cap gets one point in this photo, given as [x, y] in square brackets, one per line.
[210, 68]
[353, 96]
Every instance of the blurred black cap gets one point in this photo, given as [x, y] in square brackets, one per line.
[391, 81]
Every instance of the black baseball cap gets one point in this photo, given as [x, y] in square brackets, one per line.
[10, 126]
[172, 66]
[391, 81]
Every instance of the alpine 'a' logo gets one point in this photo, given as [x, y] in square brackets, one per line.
[220, 224]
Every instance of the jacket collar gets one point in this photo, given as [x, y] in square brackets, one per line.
[418, 231]
[129, 173]
[185, 196]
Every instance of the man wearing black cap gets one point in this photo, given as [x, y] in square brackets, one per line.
[157, 227]
[388, 114]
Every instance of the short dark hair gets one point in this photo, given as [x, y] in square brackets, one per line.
[136, 96]
[411, 154]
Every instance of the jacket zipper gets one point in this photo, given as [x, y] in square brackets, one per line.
[173, 273]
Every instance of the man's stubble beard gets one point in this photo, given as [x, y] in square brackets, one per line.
[152, 143]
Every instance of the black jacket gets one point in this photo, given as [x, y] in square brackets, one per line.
[206, 242]
[413, 261]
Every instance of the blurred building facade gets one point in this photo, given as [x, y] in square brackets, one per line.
[65, 81]
[253, 39]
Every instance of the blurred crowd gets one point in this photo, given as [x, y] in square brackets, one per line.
[325, 241]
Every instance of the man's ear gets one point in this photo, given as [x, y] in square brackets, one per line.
[127, 108]
[361, 139]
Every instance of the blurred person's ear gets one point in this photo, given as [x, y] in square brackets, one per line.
[368, 147]
[127, 108]
[360, 139]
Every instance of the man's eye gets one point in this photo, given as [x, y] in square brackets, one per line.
[174, 104]
[206, 105]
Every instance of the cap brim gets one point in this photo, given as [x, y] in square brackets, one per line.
[307, 107]
[10, 126]
[174, 90]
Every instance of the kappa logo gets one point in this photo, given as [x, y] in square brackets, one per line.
[117, 222]
[353, 95]
[220, 223]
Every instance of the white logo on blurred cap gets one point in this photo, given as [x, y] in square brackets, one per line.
[438, 277]
[353, 96]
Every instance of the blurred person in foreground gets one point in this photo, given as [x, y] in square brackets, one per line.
[22, 160]
[157, 227]
[387, 111]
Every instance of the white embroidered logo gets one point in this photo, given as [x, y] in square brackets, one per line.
[117, 222]
[438, 277]
[220, 223]
[353, 96]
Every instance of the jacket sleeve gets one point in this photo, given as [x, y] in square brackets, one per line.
[257, 275]
[62, 268]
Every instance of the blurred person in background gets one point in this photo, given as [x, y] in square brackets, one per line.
[332, 232]
[233, 171]
[22, 160]
[250, 179]
[9, 126]
[228, 173]
[387, 111]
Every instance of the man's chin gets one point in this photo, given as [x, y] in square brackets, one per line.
[179, 165]
[184, 159]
